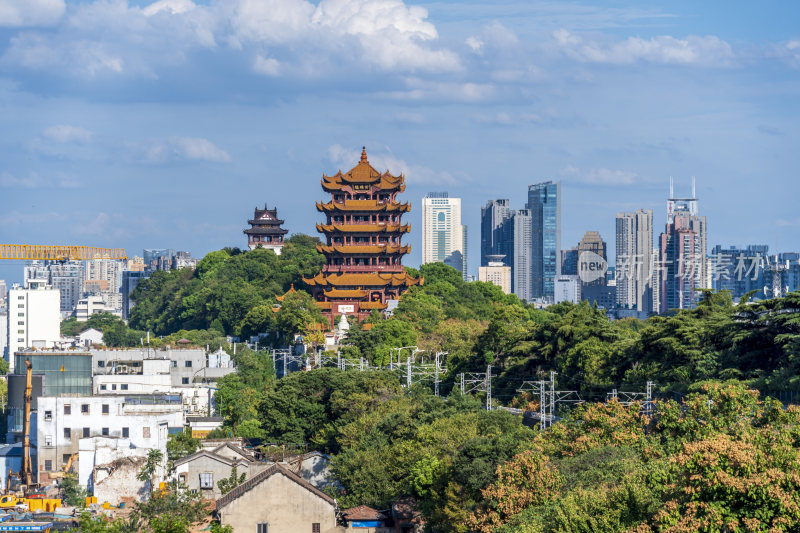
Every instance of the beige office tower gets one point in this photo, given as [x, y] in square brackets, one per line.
[443, 235]
[635, 268]
[496, 273]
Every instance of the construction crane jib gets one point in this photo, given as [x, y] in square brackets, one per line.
[43, 252]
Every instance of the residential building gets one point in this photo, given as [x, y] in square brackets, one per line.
[544, 205]
[567, 289]
[68, 279]
[682, 254]
[187, 367]
[202, 470]
[94, 304]
[130, 280]
[3, 290]
[3, 332]
[516, 233]
[493, 215]
[740, 270]
[277, 500]
[443, 235]
[34, 319]
[497, 273]
[157, 258]
[635, 269]
[62, 421]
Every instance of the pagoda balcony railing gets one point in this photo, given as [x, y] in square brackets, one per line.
[363, 268]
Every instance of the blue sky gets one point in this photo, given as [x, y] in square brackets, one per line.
[162, 124]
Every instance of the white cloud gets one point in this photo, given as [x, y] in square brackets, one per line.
[382, 160]
[710, 51]
[65, 133]
[267, 66]
[420, 89]
[34, 181]
[174, 7]
[409, 117]
[493, 36]
[505, 119]
[600, 176]
[180, 149]
[16, 13]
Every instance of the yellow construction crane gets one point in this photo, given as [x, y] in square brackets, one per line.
[43, 252]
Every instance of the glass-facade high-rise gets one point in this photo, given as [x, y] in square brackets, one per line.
[493, 215]
[544, 205]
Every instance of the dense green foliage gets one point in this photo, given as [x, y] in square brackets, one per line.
[230, 291]
[720, 459]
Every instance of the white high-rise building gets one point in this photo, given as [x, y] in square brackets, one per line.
[34, 320]
[635, 268]
[443, 235]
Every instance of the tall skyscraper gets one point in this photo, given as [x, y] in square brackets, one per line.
[740, 270]
[493, 214]
[544, 205]
[516, 235]
[443, 235]
[635, 269]
[682, 250]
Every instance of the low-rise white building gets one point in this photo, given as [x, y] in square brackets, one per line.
[61, 422]
[95, 304]
[90, 337]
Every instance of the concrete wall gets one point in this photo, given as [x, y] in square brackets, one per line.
[108, 468]
[283, 504]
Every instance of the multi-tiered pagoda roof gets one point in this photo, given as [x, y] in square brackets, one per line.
[363, 249]
[265, 230]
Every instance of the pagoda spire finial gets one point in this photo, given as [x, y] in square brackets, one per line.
[363, 154]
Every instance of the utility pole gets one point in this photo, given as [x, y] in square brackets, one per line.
[408, 373]
[489, 388]
[552, 396]
[462, 383]
[436, 377]
[284, 364]
[542, 407]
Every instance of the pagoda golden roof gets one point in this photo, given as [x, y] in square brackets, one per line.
[362, 173]
[290, 291]
[372, 305]
[369, 249]
[363, 205]
[346, 293]
[364, 228]
[381, 279]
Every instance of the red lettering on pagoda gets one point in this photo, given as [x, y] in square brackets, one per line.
[363, 249]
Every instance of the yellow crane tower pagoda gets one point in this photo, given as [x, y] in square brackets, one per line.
[363, 252]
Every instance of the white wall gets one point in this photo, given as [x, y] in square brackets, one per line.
[34, 319]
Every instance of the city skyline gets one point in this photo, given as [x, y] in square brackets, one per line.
[125, 146]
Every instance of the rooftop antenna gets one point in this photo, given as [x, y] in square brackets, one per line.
[671, 188]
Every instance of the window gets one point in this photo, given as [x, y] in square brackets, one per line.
[102, 387]
[263, 528]
[184, 381]
[105, 408]
[21, 306]
[67, 409]
[67, 433]
[114, 386]
[85, 433]
[20, 297]
[20, 331]
[182, 478]
[315, 527]
[188, 364]
[124, 386]
[206, 480]
[174, 364]
[125, 433]
[85, 408]
[105, 432]
[146, 432]
[101, 364]
[48, 465]
[21, 323]
[21, 314]
[48, 416]
[48, 440]
[65, 458]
